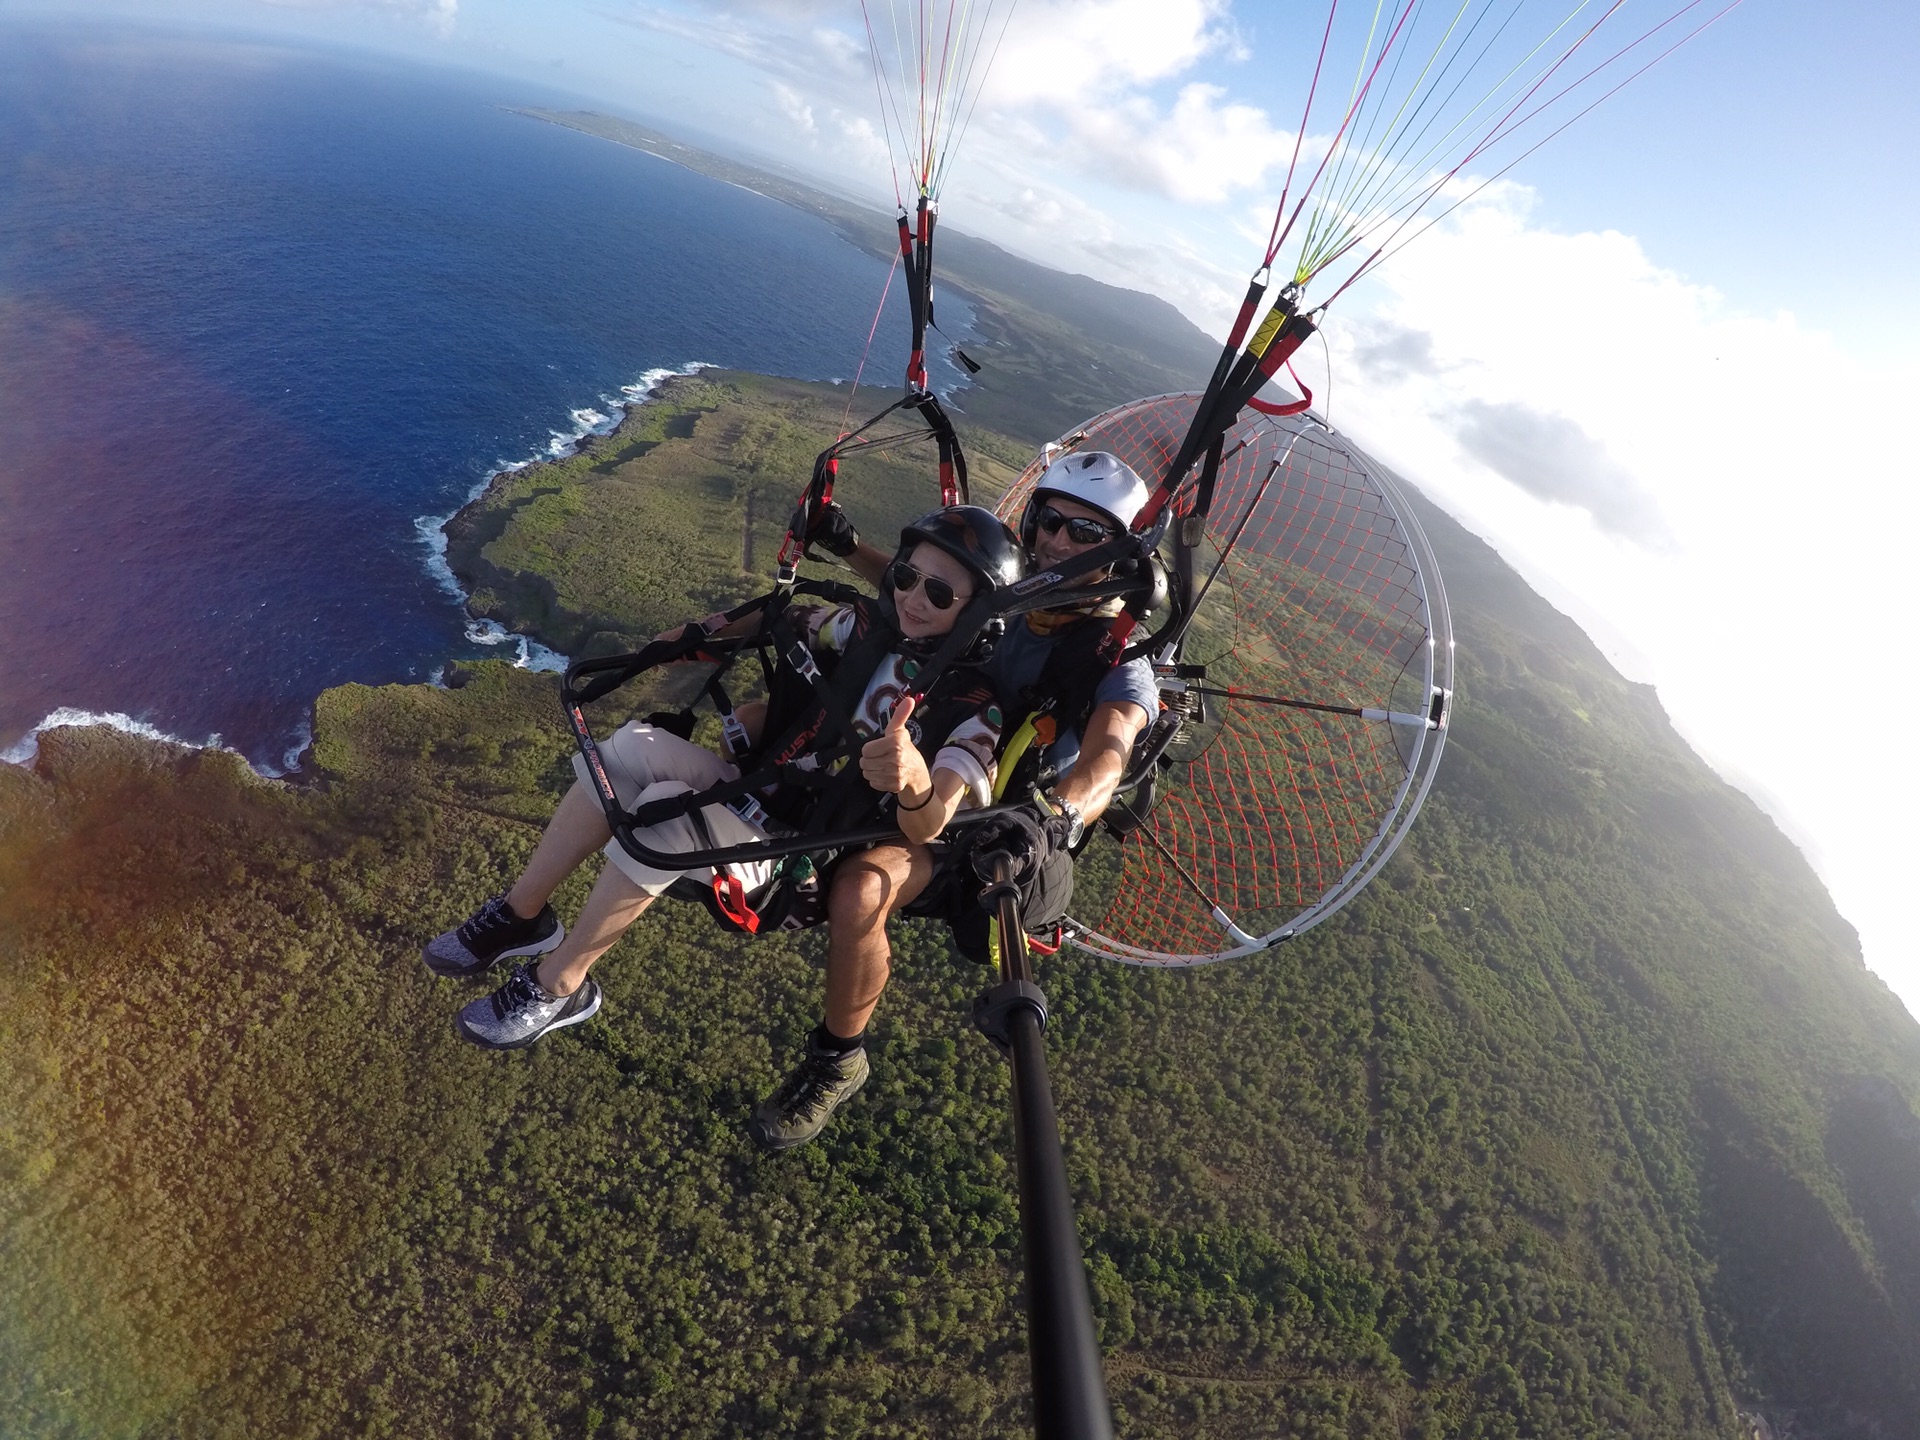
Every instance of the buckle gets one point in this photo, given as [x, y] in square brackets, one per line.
[801, 659]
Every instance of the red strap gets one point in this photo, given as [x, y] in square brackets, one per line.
[1059, 938]
[1267, 407]
[795, 546]
[731, 896]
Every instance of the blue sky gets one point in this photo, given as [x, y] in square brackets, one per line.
[1612, 365]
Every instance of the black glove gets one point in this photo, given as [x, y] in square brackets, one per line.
[828, 527]
[1026, 836]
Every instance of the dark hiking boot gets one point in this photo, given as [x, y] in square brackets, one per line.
[520, 1012]
[491, 934]
[806, 1100]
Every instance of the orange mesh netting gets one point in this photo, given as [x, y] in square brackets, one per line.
[1274, 814]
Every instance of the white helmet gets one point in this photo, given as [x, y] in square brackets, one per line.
[1097, 479]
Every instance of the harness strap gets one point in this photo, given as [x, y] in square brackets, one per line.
[829, 700]
[799, 657]
[730, 898]
[670, 807]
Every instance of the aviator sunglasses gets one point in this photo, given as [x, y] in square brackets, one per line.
[1080, 529]
[902, 577]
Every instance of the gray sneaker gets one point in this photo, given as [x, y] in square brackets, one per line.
[806, 1100]
[491, 934]
[520, 1012]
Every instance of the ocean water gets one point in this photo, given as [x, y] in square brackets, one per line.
[267, 315]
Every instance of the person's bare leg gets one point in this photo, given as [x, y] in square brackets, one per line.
[577, 829]
[614, 903]
[868, 891]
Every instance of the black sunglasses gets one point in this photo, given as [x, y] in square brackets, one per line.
[1080, 529]
[902, 577]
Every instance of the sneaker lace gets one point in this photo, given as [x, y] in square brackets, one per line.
[490, 916]
[808, 1087]
[520, 992]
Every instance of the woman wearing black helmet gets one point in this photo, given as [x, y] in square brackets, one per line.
[924, 761]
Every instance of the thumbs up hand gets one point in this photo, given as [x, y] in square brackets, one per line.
[890, 762]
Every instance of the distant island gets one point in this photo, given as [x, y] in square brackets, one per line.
[1584, 1119]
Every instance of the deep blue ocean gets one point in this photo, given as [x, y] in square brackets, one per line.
[266, 315]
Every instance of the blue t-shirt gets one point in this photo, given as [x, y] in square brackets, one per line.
[1021, 655]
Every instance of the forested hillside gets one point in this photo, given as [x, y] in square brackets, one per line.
[1585, 1120]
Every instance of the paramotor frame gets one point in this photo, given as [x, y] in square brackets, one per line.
[1311, 669]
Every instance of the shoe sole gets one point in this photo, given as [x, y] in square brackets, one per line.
[774, 1144]
[539, 947]
[592, 1009]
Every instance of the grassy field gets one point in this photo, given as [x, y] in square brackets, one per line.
[682, 510]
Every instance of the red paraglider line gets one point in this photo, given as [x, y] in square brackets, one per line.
[872, 330]
[1486, 140]
[1550, 71]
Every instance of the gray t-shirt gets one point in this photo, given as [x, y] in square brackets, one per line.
[1017, 662]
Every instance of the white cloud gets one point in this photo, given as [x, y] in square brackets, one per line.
[438, 15]
[798, 113]
[1775, 622]
[781, 38]
[1553, 459]
[1203, 149]
[1091, 53]
[1073, 84]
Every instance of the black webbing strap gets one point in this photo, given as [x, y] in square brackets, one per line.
[1227, 394]
[837, 713]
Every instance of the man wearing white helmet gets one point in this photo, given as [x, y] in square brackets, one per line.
[1082, 500]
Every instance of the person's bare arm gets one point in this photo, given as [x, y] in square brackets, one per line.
[1105, 747]
[869, 563]
[752, 716]
[894, 766]
[922, 825]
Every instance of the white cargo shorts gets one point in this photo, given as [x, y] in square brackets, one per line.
[646, 764]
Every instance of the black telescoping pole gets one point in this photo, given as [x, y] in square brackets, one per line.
[1069, 1387]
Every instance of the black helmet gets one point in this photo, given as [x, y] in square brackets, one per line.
[981, 541]
[976, 537]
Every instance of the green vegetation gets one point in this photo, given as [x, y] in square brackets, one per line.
[682, 510]
[1585, 1120]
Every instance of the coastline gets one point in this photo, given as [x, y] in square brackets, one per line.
[998, 290]
[593, 425]
[594, 428]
